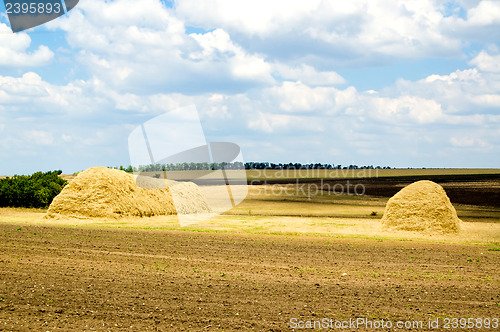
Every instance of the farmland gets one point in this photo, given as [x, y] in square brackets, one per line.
[295, 248]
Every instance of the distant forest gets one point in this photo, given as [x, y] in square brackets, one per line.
[239, 165]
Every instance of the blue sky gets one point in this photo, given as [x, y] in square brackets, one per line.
[399, 83]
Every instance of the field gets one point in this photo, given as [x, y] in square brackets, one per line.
[296, 248]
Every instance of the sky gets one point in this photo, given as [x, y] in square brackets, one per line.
[366, 82]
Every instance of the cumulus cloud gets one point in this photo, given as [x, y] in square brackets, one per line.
[463, 92]
[141, 46]
[30, 94]
[117, 27]
[14, 50]
[296, 96]
[308, 75]
[27, 86]
[217, 47]
[269, 122]
[258, 17]
[264, 75]
[79, 123]
[291, 116]
[480, 24]
[486, 13]
[404, 108]
[353, 30]
[486, 62]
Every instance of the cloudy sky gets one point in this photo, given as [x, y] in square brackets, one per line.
[399, 83]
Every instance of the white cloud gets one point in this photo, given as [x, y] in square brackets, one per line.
[163, 102]
[296, 96]
[140, 46]
[14, 50]
[308, 75]
[466, 91]
[218, 108]
[38, 137]
[459, 75]
[348, 31]
[291, 116]
[486, 62]
[468, 142]
[346, 99]
[218, 47]
[257, 17]
[480, 24]
[269, 122]
[119, 26]
[404, 108]
[265, 75]
[487, 12]
[487, 100]
[30, 96]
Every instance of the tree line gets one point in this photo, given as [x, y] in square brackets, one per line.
[31, 191]
[239, 165]
[267, 165]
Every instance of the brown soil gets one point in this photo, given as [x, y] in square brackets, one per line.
[55, 278]
[477, 190]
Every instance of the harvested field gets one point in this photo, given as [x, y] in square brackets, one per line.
[469, 189]
[158, 280]
[288, 251]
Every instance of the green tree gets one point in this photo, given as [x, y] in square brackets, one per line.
[36, 190]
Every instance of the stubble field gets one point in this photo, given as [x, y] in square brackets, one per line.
[303, 254]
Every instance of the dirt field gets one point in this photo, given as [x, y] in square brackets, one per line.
[468, 187]
[61, 278]
[269, 174]
[289, 251]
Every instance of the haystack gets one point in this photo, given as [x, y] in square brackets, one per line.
[187, 196]
[107, 193]
[421, 206]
